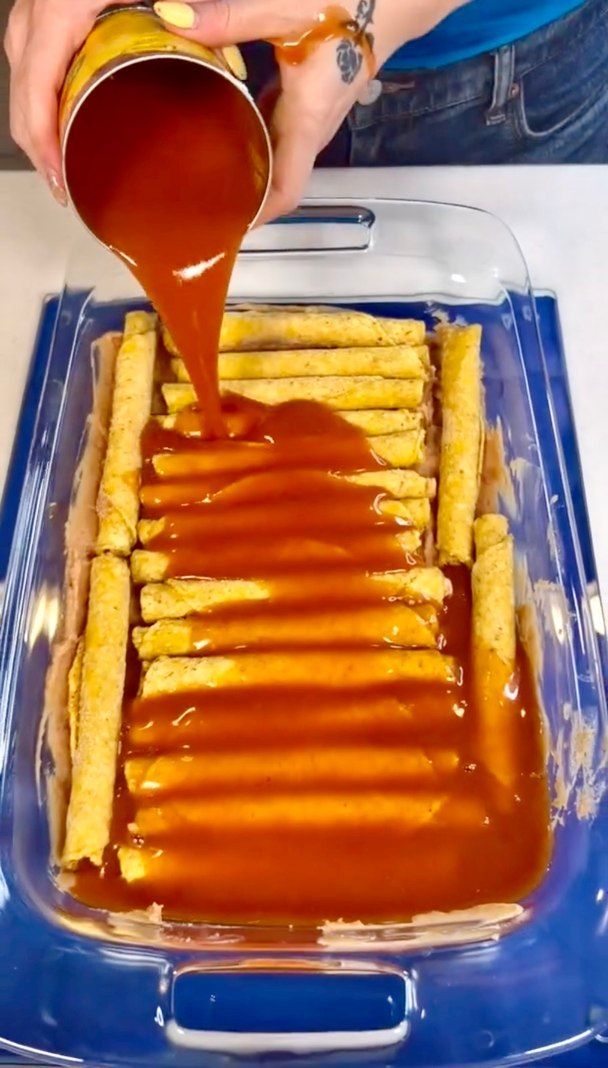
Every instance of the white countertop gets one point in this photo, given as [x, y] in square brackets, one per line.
[558, 214]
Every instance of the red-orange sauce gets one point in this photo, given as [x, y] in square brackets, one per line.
[333, 23]
[290, 801]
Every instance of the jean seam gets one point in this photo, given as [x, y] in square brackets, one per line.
[418, 112]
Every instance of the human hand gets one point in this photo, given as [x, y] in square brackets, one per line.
[40, 40]
[315, 94]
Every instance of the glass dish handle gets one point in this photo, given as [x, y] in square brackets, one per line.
[315, 227]
[250, 1010]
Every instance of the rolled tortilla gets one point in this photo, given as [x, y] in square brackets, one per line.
[494, 589]
[384, 420]
[211, 725]
[118, 500]
[494, 647]
[403, 808]
[241, 457]
[461, 442]
[182, 773]
[419, 584]
[264, 327]
[398, 482]
[370, 421]
[150, 566]
[74, 682]
[177, 598]
[100, 712]
[416, 511]
[390, 624]
[399, 450]
[224, 868]
[331, 668]
[139, 322]
[401, 361]
[339, 393]
[136, 864]
[207, 725]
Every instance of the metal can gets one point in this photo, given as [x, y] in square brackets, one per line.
[126, 35]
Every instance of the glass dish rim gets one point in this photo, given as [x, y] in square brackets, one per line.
[400, 942]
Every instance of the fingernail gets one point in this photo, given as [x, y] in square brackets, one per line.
[176, 14]
[57, 189]
[235, 61]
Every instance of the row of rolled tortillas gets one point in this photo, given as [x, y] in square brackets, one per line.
[383, 396]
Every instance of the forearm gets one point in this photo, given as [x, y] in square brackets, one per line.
[395, 22]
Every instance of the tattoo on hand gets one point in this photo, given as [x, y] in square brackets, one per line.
[349, 58]
[351, 50]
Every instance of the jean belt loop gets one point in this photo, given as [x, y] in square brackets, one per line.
[504, 70]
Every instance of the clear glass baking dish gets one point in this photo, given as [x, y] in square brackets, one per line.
[495, 987]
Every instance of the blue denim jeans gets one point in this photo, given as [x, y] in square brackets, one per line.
[542, 99]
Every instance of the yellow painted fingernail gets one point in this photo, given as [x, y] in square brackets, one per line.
[235, 61]
[176, 14]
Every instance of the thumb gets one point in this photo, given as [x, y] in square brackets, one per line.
[225, 22]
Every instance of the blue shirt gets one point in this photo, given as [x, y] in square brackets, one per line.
[479, 26]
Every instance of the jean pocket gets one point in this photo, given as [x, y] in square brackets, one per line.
[557, 93]
[546, 118]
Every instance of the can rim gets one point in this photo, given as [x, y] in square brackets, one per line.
[112, 9]
[123, 62]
